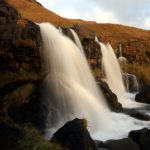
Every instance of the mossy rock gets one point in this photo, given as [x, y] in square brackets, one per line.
[17, 97]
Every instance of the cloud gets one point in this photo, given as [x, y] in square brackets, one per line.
[129, 12]
[147, 22]
[102, 16]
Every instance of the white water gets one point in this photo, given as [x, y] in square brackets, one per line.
[60, 29]
[112, 71]
[72, 92]
[77, 40]
[120, 50]
[71, 89]
[131, 82]
[121, 58]
[119, 127]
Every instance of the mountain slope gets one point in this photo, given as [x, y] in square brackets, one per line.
[34, 11]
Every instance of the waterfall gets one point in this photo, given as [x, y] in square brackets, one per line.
[112, 70]
[131, 82]
[77, 40]
[71, 90]
[60, 29]
[121, 58]
[120, 50]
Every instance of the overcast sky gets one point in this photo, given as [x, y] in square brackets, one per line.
[128, 12]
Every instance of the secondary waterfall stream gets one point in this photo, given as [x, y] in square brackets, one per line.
[77, 40]
[71, 91]
[112, 70]
[131, 82]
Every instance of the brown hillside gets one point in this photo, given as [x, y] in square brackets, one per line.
[118, 33]
[34, 11]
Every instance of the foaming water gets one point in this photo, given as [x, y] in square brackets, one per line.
[77, 40]
[71, 89]
[119, 127]
[121, 124]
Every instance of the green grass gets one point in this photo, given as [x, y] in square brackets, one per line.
[32, 139]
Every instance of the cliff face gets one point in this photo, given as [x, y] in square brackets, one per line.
[19, 41]
[20, 65]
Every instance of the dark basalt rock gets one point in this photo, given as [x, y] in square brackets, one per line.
[141, 137]
[74, 136]
[143, 96]
[136, 114]
[122, 144]
[111, 98]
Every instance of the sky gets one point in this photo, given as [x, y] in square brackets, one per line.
[128, 12]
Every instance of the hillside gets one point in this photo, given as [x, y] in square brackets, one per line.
[34, 11]
[132, 39]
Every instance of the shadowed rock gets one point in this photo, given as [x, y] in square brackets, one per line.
[20, 66]
[111, 98]
[141, 137]
[122, 144]
[143, 96]
[74, 136]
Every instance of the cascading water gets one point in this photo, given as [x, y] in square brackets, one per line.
[114, 76]
[112, 70]
[77, 40]
[72, 92]
[121, 58]
[71, 89]
[60, 29]
[120, 50]
[120, 124]
[131, 82]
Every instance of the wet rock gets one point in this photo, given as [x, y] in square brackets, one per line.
[136, 114]
[141, 137]
[143, 96]
[74, 136]
[122, 144]
[111, 98]
[99, 144]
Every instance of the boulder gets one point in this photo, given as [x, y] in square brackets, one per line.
[143, 96]
[141, 137]
[121, 144]
[110, 97]
[136, 114]
[74, 136]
